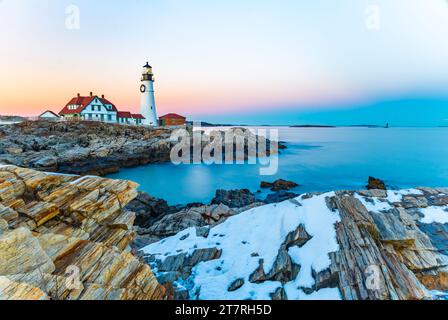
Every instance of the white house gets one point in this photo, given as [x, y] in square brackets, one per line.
[48, 115]
[94, 108]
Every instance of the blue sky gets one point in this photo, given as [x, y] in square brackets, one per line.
[289, 61]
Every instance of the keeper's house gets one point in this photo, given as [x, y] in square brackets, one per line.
[172, 119]
[94, 108]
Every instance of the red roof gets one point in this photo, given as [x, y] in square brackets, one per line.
[83, 102]
[172, 116]
[124, 114]
[137, 116]
[105, 101]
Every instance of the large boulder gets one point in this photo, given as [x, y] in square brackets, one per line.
[278, 185]
[376, 184]
[234, 198]
[148, 209]
[279, 197]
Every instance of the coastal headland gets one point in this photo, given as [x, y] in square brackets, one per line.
[88, 148]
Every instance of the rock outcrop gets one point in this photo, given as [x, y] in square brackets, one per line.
[365, 245]
[279, 185]
[95, 148]
[68, 237]
[376, 184]
[86, 148]
[234, 198]
[201, 217]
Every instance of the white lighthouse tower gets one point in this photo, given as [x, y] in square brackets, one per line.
[148, 103]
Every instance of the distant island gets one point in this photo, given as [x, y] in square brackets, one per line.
[311, 126]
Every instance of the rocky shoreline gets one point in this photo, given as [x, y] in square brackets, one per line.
[87, 148]
[68, 237]
[128, 245]
[386, 245]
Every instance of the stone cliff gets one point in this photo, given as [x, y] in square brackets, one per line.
[68, 237]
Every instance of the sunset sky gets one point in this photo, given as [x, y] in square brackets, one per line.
[251, 61]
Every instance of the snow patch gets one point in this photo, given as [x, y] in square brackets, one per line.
[374, 204]
[253, 235]
[435, 214]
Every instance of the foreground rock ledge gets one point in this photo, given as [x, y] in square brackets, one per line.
[364, 245]
[66, 237]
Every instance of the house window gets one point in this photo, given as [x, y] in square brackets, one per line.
[93, 108]
[109, 117]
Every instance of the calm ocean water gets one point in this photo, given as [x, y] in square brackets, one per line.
[319, 159]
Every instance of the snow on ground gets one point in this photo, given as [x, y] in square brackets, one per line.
[383, 204]
[8, 122]
[434, 214]
[397, 195]
[258, 234]
[374, 204]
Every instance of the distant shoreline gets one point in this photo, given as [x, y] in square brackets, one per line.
[211, 125]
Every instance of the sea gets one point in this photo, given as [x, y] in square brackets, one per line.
[318, 159]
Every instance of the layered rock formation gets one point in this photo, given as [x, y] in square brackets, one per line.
[68, 237]
[371, 244]
[82, 147]
[94, 148]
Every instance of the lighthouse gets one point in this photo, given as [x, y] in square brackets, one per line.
[148, 103]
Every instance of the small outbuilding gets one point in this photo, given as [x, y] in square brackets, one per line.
[172, 119]
[48, 115]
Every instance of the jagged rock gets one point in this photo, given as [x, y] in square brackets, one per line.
[217, 212]
[172, 263]
[40, 212]
[377, 193]
[278, 185]
[69, 223]
[201, 255]
[258, 275]
[235, 285]
[202, 231]
[202, 218]
[363, 257]
[385, 251]
[148, 209]
[234, 198]
[10, 290]
[297, 238]
[279, 197]
[173, 223]
[414, 202]
[283, 270]
[279, 294]
[20, 252]
[325, 279]
[376, 184]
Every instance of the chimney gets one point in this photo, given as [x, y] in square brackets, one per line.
[79, 95]
[91, 93]
[102, 96]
